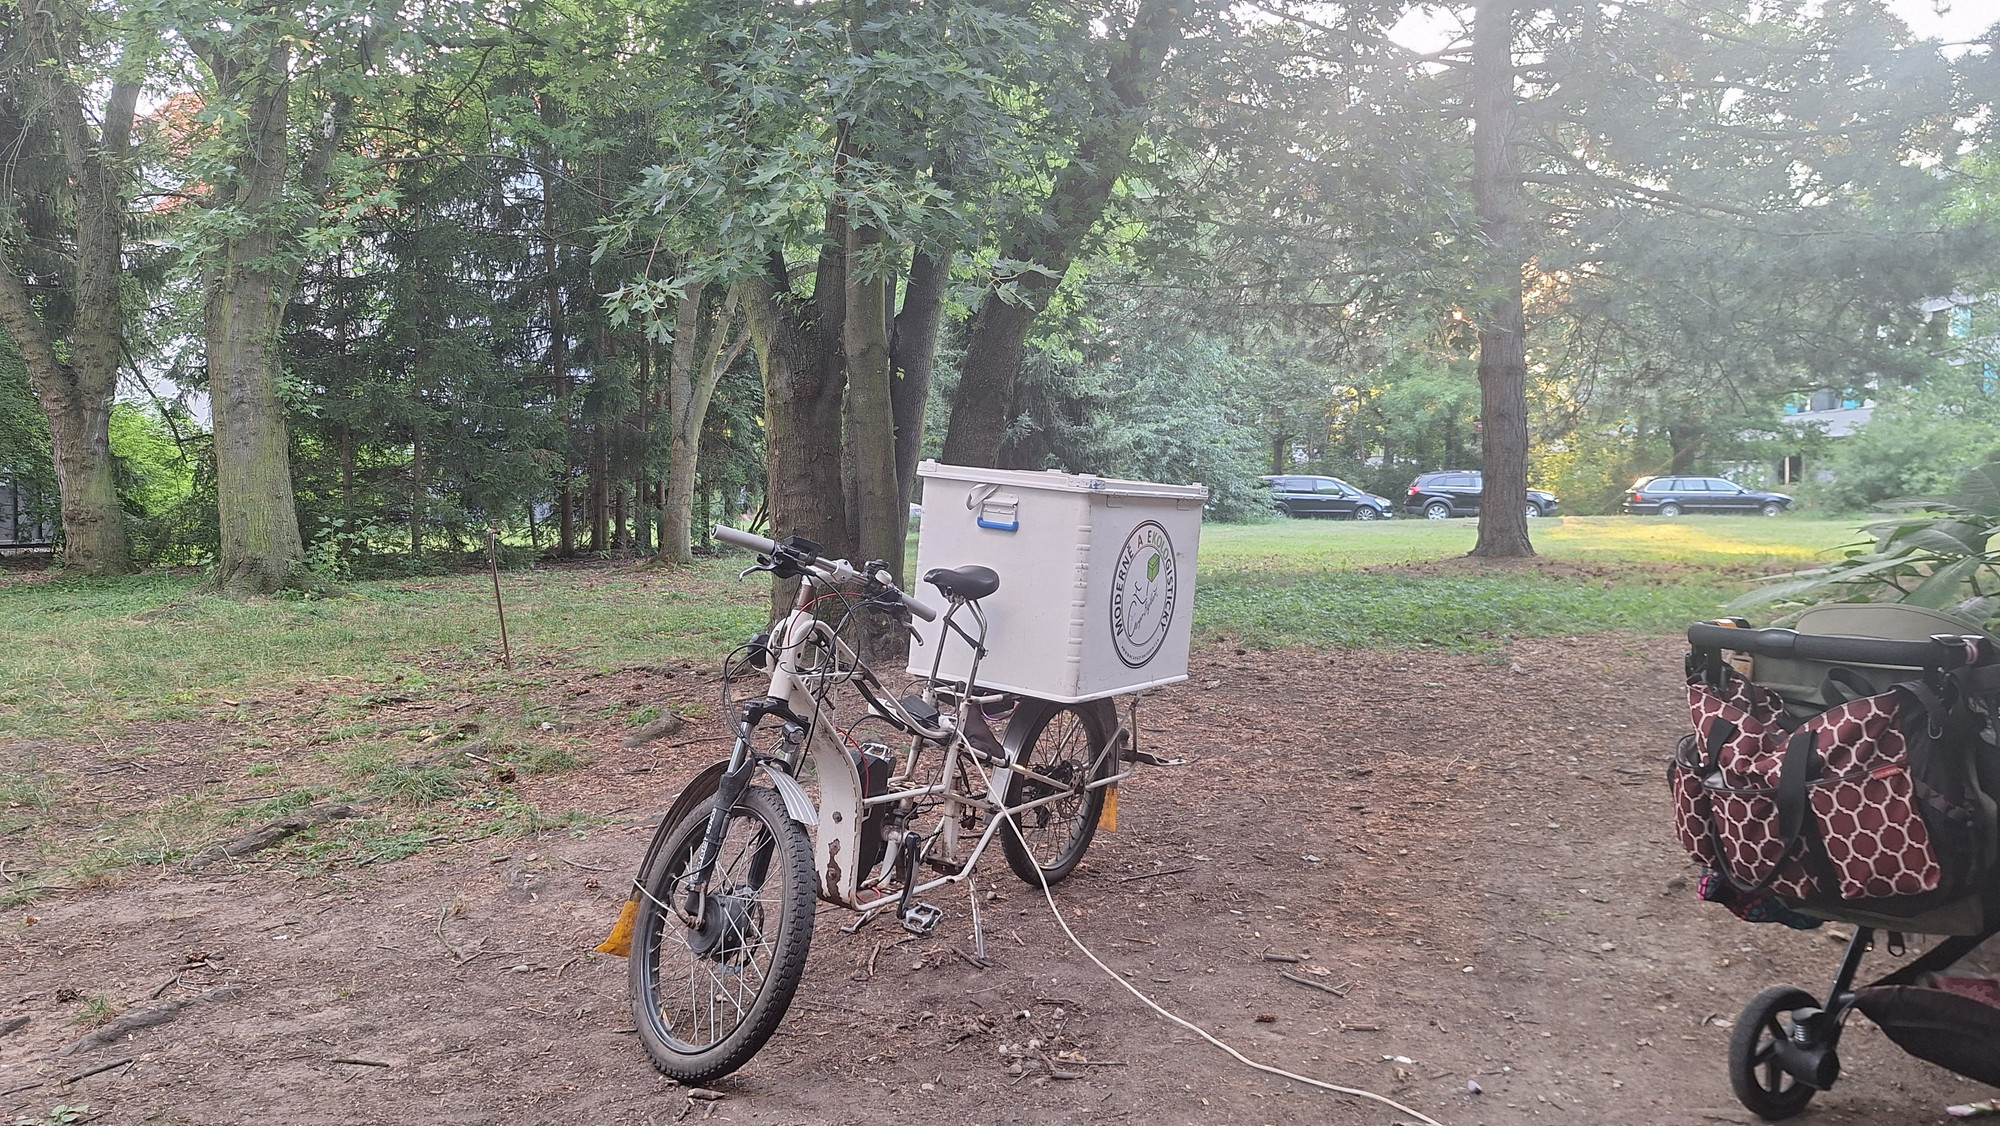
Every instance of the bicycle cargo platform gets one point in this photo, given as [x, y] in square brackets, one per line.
[1096, 578]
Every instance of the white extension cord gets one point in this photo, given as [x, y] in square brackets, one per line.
[1246, 1061]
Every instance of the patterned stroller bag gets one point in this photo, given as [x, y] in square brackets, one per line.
[1848, 771]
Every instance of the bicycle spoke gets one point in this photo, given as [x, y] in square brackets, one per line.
[714, 992]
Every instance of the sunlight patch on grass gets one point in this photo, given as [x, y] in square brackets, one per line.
[1711, 541]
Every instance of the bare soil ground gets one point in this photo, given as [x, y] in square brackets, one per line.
[1474, 854]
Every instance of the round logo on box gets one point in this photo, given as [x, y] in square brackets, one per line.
[1142, 594]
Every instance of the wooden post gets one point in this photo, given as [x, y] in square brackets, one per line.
[493, 564]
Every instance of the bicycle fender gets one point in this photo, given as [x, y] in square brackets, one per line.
[798, 803]
[701, 788]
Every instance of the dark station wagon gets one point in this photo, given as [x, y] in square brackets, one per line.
[1441, 496]
[1300, 495]
[1671, 496]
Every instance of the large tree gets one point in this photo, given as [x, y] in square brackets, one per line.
[1502, 324]
[281, 88]
[826, 170]
[1039, 246]
[69, 87]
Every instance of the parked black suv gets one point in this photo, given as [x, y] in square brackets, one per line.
[1325, 496]
[1671, 496]
[1440, 496]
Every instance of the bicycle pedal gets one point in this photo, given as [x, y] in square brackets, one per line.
[921, 918]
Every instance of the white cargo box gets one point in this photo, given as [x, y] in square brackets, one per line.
[1096, 578]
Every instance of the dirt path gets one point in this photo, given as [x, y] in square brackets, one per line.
[1475, 855]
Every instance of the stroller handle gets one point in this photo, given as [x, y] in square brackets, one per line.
[1943, 650]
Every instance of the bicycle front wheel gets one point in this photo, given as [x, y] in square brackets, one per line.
[705, 998]
[1067, 743]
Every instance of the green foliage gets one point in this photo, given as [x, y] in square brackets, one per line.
[166, 483]
[1919, 441]
[1590, 469]
[1409, 412]
[1937, 557]
[1146, 399]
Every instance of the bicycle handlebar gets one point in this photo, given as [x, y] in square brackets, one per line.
[741, 538]
[1941, 651]
[831, 568]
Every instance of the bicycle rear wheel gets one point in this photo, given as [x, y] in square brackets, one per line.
[1068, 743]
[706, 998]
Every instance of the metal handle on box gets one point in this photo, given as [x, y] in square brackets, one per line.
[991, 509]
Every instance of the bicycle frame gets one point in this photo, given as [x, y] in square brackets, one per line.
[843, 805]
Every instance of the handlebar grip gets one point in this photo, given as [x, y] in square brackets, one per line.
[741, 538]
[916, 606]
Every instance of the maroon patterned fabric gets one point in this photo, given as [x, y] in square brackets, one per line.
[1866, 806]
[1870, 834]
[1692, 810]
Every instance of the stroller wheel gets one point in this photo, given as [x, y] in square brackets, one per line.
[1757, 1047]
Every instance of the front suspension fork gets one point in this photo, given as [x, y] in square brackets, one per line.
[729, 791]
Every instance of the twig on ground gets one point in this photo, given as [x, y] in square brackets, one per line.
[359, 1062]
[1337, 991]
[99, 1068]
[1161, 872]
[585, 867]
[443, 914]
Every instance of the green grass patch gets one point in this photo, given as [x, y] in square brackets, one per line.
[1341, 583]
[1718, 543]
[1461, 613]
[97, 654]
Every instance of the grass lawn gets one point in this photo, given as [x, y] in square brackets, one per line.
[391, 695]
[1402, 582]
[84, 656]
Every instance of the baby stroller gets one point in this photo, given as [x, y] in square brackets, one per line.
[1847, 770]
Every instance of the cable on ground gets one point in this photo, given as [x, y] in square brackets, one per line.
[1354, 1092]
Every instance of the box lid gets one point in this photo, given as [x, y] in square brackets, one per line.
[1059, 481]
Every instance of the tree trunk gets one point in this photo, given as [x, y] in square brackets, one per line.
[247, 288]
[803, 385]
[416, 492]
[871, 434]
[913, 360]
[1051, 240]
[1685, 442]
[600, 490]
[702, 354]
[76, 394]
[558, 339]
[261, 551]
[1503, 356]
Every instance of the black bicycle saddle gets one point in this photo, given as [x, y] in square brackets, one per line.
[968, 583]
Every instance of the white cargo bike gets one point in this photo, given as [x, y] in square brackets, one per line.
[721, 913]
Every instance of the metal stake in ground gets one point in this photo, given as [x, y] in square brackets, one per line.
[493, 564]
